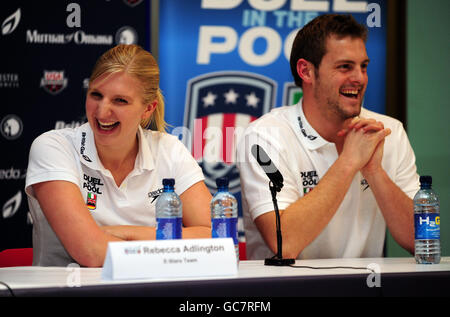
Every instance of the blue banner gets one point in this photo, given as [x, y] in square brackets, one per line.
[198, 37]
[225, 63]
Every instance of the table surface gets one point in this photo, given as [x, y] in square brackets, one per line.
[29, 278]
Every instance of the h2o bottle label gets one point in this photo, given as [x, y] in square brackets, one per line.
[225, 228]
[168, 228]
[427, 226]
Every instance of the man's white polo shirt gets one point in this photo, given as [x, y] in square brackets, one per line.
[303, 157]
[71, 155]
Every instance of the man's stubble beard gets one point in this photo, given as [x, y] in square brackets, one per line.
[332, 109]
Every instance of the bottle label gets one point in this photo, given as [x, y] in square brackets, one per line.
[168, 228]
[427, 226]
[225, 228]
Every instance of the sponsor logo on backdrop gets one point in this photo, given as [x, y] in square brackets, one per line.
[86, 83]
[78, 37]
[219, 106]
[12, 174]
[9, 80]
[125, 35]
[73, 124]
[11, 206]
[11, 23]
[133, 3]
[54, 81]
[11, 127]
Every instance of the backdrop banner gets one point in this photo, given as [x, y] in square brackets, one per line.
[48, 51]
[226, 63]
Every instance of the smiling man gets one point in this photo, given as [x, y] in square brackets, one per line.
[348, 172]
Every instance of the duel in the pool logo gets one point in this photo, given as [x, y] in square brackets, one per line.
[219, 104]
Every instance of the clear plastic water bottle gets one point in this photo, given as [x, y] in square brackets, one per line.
[224, 214]
[169, 212]
[427, 224]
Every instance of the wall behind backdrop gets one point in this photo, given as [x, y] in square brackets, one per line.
[428, 107]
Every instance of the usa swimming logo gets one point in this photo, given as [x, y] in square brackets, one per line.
[219, 106]
[54, 82]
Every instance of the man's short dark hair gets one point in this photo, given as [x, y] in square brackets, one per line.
[310, 41]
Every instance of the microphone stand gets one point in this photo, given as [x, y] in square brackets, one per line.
[277, 259]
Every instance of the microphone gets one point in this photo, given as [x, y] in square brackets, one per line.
[268, 166]
[275, 185]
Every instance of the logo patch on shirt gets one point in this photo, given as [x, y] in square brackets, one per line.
[309, 180]
[86, 158]
[155, 194]
[364, 184]
[307, 190]
[92, 184]
[306, 135]
[91, 201]
[83, 147]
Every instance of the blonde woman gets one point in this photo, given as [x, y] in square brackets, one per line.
[99, 182]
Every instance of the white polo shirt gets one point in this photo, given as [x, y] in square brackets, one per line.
[303, 157]
[71, 155]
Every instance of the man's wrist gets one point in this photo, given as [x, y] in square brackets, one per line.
[347, 166]
[374, 175]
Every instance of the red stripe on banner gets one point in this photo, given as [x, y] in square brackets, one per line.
[229, 121]
[198, 143]
[204, 127]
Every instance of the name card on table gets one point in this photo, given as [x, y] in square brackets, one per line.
[170, 258]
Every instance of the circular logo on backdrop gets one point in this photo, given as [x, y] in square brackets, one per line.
[11, 127]
[126, 35]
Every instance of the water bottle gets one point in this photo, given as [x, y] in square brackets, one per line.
[224, 214]
[427, 224]
[169, 212]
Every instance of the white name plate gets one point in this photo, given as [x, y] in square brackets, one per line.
[170, 258]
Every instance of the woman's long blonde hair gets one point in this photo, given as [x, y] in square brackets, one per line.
[135, 61]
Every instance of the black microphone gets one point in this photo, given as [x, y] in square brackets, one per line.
[275, 185]
[268, 166]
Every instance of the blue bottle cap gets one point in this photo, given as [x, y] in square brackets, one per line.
[426, 179]
[168, 182]
[222, 182]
